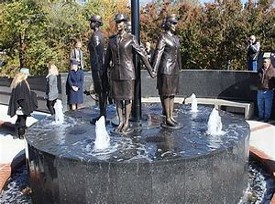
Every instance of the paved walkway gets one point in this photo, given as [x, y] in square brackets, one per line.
[11, 148]
[262, 143]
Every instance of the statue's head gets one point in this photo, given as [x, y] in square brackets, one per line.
[170, 22]
[95, 21]
[121, 21]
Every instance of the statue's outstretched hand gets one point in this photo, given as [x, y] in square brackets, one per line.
[153, 74]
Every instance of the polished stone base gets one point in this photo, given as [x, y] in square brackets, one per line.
[151, 165]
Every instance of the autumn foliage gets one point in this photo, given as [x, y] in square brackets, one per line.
[213, 35]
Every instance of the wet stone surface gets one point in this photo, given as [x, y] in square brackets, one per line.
[74, 139]
[142, 167]
[17, 189]
[260, 186]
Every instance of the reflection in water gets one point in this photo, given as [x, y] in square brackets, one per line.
[165, 145]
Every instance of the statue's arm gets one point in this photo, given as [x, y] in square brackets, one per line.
[179, 59]
[108, 57]
[158, 53]
[140, 51]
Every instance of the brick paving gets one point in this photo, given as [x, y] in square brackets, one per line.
[5, 172]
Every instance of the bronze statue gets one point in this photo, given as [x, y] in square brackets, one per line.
[99, 73]
[122, 73]
[167, 64]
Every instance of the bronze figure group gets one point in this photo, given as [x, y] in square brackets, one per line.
[117, 65]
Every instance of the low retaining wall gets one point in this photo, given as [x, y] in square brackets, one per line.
[229, 85]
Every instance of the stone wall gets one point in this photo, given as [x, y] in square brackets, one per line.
[230, 85]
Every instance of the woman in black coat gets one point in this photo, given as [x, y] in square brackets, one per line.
[22, 102]
[167, 64]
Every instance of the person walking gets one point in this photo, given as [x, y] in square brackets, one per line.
[75, 82]
[253, 50]
[22, 102]
[266, 85]
[51, 87]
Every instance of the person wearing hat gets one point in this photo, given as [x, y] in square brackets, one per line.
[167, 64]
[266, 85]
[74, 86]
[21, 102]
[99, 74]
[122, 74]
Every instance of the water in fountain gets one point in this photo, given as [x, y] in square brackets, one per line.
[214, 123]
[102, 140]
[145, 153]
[59, 117]
[194, 104]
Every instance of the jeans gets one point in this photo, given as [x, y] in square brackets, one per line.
[252, 65]
[264, 100]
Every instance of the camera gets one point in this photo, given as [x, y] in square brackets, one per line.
[86, 92]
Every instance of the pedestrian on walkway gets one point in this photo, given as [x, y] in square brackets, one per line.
[266, 85]
[22, 102]
[74, 86]
[51, 87]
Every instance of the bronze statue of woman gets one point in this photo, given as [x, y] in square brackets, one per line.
[167, 64]
[122, 72]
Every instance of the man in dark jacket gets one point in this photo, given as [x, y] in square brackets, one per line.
[96, 49]
[122, 73]
[266, 85]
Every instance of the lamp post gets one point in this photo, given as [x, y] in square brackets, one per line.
[135, 31]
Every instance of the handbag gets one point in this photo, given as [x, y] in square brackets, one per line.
[34, 100]
[19, 111]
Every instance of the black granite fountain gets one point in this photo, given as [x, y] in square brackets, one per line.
[150, 165]
[153, 165]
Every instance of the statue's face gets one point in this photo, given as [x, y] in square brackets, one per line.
[93, 25]
[121, 26]
[74, 67]
[173, 27]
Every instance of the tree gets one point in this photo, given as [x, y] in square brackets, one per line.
[21, 23]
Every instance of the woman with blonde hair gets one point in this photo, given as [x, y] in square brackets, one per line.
[51, 87]
[21, 101]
